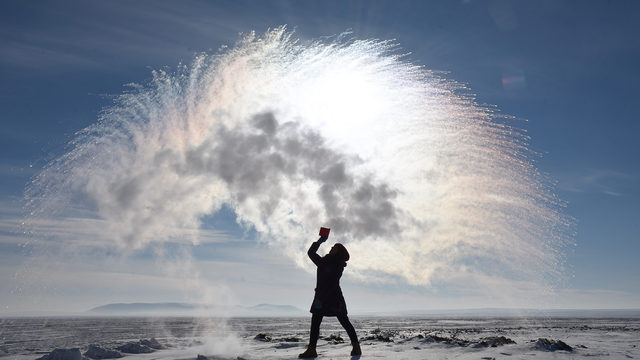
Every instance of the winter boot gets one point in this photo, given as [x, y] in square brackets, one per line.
[356, 348]
[310, 353]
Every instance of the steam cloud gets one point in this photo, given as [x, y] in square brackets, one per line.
[259, 166]
[420, 181]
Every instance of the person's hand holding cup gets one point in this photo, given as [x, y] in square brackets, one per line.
[324, 234]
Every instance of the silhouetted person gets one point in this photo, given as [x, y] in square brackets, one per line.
[328, 300]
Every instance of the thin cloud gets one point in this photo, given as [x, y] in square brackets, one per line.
[603, 181]
[38, 55]
[152, 32]
[84, 232]
[12, 170]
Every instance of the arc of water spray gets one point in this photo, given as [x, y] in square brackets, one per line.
[422, 183]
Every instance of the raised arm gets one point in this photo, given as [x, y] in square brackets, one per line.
[313, 255]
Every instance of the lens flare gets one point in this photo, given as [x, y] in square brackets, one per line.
[418, 180]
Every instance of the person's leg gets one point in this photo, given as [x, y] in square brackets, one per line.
[316, 319]
[346, 324]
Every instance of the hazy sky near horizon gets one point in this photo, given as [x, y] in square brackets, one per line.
[568, 67]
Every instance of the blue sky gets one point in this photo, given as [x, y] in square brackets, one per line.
[568, 67]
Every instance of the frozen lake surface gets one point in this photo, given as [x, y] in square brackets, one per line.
[284, 338]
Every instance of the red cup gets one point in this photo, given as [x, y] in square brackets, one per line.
[324, 232]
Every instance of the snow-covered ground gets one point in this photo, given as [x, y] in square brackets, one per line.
[285, 338]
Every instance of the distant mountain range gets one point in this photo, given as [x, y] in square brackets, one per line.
[513, 312]
[265, 310]
[188, 309]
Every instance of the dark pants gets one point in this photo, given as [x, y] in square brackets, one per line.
[316, 319]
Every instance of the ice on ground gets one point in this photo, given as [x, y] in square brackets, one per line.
[285, 338]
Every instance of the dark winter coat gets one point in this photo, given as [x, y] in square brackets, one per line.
[328, 300]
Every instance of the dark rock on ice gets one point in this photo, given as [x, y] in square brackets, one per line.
[446, 340]
[437, 338]
[285, 346]
[494, 341]
[143, 346]
[552, 345]
[377, 338]
[202, 357]
[290, 339]
[98, 352]
[334, 339]
[63, 354]
[262, 337]
[152, 343]
[380, 335]
[135, 348]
